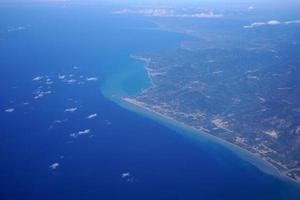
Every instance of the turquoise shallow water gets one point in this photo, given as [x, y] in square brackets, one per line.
[130, 80]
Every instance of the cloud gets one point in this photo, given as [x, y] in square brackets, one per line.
[61, 77]
[92, 116]
[250, 8]
[49, 81]
[67, 78]
[9, 110]
[40, 94]
[125, 175]
[128, 177]
[255, 24]
[148, 12]
[209, 14]
[14, 29]
[46, 78]
[92, 78]
[70, 81]
[74, 135]
[71, 109]
[272, 23]
[163, 12]
[293, 22]
[79, 133]
[84, 132]
[54, 166]
[38, 78]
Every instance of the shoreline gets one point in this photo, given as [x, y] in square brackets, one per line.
[121, 98]
[128, 102]
[261, 164]
[255, 159]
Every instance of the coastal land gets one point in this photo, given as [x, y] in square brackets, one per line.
[201, 101]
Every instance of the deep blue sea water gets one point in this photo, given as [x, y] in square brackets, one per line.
[156, 162]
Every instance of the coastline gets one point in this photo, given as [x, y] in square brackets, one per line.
[125, 100]
[122, 98]
[180, 127]
[255, 159]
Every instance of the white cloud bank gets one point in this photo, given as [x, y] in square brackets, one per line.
[162, 12]
[272, 23]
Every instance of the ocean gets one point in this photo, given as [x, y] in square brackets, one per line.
[62, 137]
